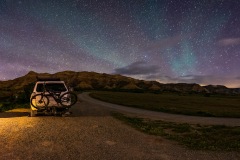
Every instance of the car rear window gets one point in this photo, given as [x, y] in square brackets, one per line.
[58, 87]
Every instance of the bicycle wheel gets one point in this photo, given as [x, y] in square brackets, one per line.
[39, 101]
[68, 99]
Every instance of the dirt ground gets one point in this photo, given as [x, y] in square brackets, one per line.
[89, 133]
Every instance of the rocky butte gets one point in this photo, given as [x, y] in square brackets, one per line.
[101, 81]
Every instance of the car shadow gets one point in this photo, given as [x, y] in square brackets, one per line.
[13, 114]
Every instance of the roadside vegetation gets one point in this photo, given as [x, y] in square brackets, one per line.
[9, 101]
[199, 137]
[187, 104]
[15, 99]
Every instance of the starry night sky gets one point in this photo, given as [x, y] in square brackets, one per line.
[192, 41]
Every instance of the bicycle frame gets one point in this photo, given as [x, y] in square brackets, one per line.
[55, 96]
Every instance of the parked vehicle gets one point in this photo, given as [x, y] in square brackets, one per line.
[51, 96]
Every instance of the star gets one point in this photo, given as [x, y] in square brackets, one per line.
[177, 39]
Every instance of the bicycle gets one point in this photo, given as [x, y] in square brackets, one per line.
[41, 100]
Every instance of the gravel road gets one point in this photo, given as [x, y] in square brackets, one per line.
[164, 116]
[90, 133]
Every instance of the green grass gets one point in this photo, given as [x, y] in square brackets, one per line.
[8, 101]
[5, 106]
[199, 137]
[198, 105]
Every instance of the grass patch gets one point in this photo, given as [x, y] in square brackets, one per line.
[10, 100]
[200, 137]
[5, 106]
[189, 104]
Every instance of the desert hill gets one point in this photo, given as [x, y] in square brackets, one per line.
[102, 81]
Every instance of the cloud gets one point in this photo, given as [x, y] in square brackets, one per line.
[199, 79]
[238, 78]
[142, 70]
[138, 68]
[229, 41]
[180, 79]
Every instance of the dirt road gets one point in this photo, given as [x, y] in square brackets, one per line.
[164, 116]
[90, 133]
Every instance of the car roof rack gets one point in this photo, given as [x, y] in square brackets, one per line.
[47, 78]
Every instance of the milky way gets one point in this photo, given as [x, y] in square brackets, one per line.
[170, 41]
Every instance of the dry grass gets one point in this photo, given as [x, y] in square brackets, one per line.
[200, 137]
[218, 106]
